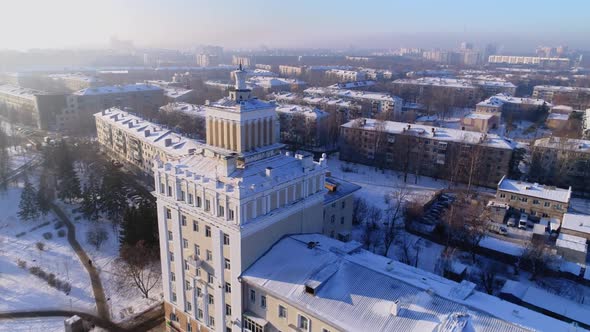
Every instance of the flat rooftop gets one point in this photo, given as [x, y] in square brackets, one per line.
[440, 134]
[356, 290]
[535, 190]
[17, 91]
[576, 222]
[570, 144]
[103, 90]
[502, 98]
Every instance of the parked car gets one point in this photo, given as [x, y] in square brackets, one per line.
[511, 222]
[524, 221]
[498, 229]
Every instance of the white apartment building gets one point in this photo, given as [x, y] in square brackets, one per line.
[226, 204]
[529, 60]
[346, 75]
[373, 102]
[136, 142]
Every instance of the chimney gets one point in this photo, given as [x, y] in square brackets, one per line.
[395, 307]
[268, 171]
[168, 142]
[192, 151]
[146, 133]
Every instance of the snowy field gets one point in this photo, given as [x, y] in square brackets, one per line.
[44, 324]
[123, 302]
[23, 291]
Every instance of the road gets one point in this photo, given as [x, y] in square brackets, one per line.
[98, 321]
[99, 296]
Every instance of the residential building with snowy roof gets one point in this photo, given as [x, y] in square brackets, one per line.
[304, 127]
[536, 200]
[225, 204]
[516, 107]
[576, 224]
[341, 75]
[130, 139]
[576, 97]
[530, 60]
[314, 283]
[456, 155]
[77, 81]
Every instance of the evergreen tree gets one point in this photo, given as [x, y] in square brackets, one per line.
[28, 207]
[69, 187]
[91, 199]
[113, 199]
[43, 195]
[140, 224]
[4, 157]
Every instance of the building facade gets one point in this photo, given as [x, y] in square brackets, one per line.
[225, 205]
[441, 153]
[575, 97]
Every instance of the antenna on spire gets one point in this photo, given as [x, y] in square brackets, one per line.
[240, 67]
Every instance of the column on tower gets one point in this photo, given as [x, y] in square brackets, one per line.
[226, 138]
[265, 131]
[256, 132]
[221, 133]
[209, 130]
[252, 135]
[246, 135]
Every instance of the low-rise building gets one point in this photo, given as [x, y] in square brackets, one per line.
[372, 103]
[515, 107]
[313, 283]
[76, 81]
[562, 162]
[179, 95]
[291, 70]
[451, 154]
[338, 205]
[136, 142]
[480, 122]
[304, 127]
[556, 121]
[530, 60]
[572, 248]
[345, 75]
[538, 201]
[576, 224]
[269, 84]
[576, 97]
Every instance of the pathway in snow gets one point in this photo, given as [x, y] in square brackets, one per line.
[101, 301]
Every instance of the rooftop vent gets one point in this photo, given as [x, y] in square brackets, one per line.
[395, 307]
[168, 142]
[146, 133]
[269, 171]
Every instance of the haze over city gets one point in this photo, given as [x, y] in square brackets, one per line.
[308, 166]
[517, 25]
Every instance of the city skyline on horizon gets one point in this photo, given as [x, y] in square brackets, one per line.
[341, 25]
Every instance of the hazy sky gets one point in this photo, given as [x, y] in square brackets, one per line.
[517, 24]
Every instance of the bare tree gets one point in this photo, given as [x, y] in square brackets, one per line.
[394, 212]
[371, 237]
[488, 274]
[359, 210]
[536, 258]
[97, 236]
[139, 268]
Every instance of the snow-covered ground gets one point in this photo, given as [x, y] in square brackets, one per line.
[45, 324]
[123, 302]
[21, 290]
[19, 156]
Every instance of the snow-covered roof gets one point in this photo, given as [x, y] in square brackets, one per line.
[18, 91]
[352, 85]
[117, 89]
[562, 108]
[309, 112]
[572, 242]
[190, 109]
[576, 222]
[356, 290]
[440, 134]
[75, 77]
[244, 105]
[570, 144]
[173, 144]
[340, 188]
[175, 92]
[480, 116]
[502, 98]
[270, 82]
[535, 190]
[556, 88]
[557, 116]
[548, 301]
[437, 81]
[352, 94]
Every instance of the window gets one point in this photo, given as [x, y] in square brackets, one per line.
[341, 220]
[182, 195]
[183, 220]
[547, 204]
[173, 317]
[189, 306]
[209, 278]
[228, 310]
[303, 323]
[199, 292]
[211, 299]
[332, 219]
[502, 195]
[343, 204]
[198, 201]
[190, 198]
[185, 264]
[221, 211]
[168, 213]
[207, 205]
[187, 285]
[198, 272]
[513, 197]
[536, 202]
[200, 314]
[230, 214]
[173, 297]
[211, 321]
[325, 330]
[209, 255]
[207, 231]
[227, 287]
[524, 199]
[172, 276]
[185, 243]
[197, 250]
[169, 235]
[282, 312]
[189, 328]
[227, 264]
[162, 186]
[250, 325]
[169, 190]
[226, 239]
[171, 254]
[195, 226]
[262, 301]
[252, 296]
